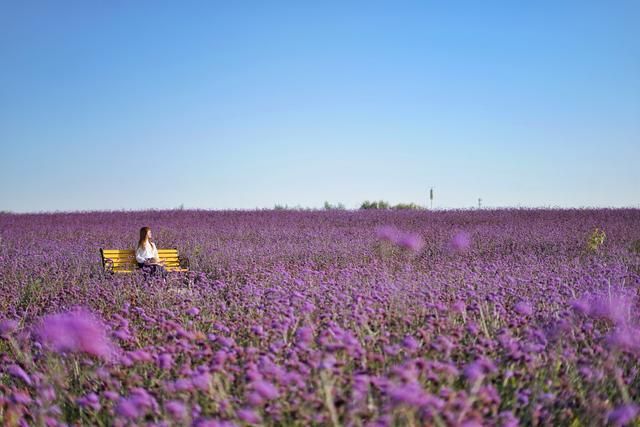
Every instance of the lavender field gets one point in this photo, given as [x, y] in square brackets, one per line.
[339, 318]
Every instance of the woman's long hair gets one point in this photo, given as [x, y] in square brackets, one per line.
[143, 235]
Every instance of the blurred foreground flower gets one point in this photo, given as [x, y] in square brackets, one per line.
[460, 242]
[624, 414]
[76, 331]
[409, 241]
[523, 308]
[7, 327]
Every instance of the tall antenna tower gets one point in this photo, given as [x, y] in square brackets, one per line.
[431, 197]
[479, 203]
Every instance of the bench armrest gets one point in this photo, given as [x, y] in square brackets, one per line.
[108, 265]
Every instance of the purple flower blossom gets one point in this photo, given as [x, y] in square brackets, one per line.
[193, 311]
[7, 327]
[76, 331]
[249, 416]
[265, 389]
[304, 335]
[411, 394]
[478, 369]
[18, 372]
[523, 308]
[176, 409]
[21, 398]
[202, 381]
[624, 414]
[410, 241]
[410, 343]
[90, 401]
[460, 242]
[624, 338]
[127, 408]
[165, 361]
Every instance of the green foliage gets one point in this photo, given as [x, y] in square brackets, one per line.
[596, 240]
[407, 206]
[329, 207]
[635, 247]
[380, 204]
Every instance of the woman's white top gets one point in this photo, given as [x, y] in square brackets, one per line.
[148, 250]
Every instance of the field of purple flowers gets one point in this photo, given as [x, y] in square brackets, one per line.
[367, 318]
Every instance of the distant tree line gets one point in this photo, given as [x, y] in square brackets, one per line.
[327, 206]
[381, 204]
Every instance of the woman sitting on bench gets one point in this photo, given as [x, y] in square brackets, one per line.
[147, 253]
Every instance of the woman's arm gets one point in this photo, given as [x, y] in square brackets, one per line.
[155, 251]
[140, 255]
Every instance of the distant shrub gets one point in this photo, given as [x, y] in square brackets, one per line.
[595, 240]
[380, 204]
[329, 207]
[407, 206]
[635, 247]
[279, 207]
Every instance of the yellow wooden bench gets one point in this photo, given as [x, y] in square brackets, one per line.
[124, 260]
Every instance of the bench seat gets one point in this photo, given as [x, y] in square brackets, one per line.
[124, 260]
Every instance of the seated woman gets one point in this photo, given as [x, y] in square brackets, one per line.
[147, 253]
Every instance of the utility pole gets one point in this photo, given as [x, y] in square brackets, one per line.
[431, 197]
[479, 203]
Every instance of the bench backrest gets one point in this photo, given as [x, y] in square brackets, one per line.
[124, 260]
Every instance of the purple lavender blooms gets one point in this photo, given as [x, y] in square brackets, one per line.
[461, 241]
[75, 331]
[371, 318]
[405, 240]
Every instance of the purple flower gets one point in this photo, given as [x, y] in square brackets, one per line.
[478, 369]
[614, 308]
[411, 394]
[410, 343]
[523, 308]
[255, 399]
[625, 338]
[249, 416]
[91, 400]
[139, 403]
[304, 335]
[18, 372]
[165, 361]
[460, 242]
[623, 414]
[7, 327]
[202, 381]
[111, 395]
[387, 233]
[508, 419]
[127, 408]
[176, 409]
[76, 331]
[412, 242]
[183, 384]
[193, 311]
[21, 398]
[265, 389]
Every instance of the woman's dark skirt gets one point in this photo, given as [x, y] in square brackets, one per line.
[152, 270]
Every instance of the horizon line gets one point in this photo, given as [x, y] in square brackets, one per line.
[321, 209]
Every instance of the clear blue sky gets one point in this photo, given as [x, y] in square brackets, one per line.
[249, 104]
